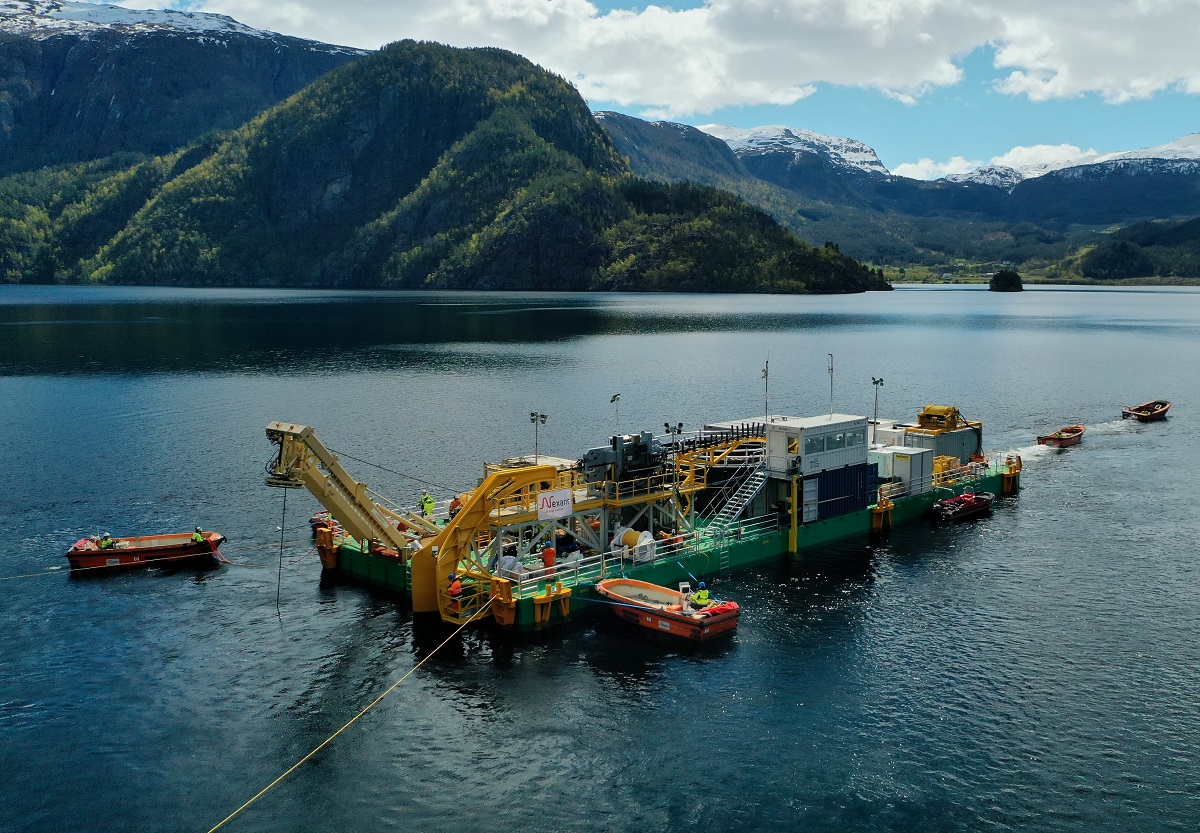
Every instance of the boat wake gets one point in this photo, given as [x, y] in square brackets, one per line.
[1108, 428]
[1113, 426]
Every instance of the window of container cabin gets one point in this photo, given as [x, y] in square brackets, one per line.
[814, 445]
[793, 445]
[834, 441]
[857, 437]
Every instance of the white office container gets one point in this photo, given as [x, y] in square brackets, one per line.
[810, 445]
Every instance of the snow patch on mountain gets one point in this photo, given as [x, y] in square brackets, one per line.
[847, 153]
[998, 176]
[1183, 152]
[40, 19]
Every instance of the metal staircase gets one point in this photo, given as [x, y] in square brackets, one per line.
[738, 501]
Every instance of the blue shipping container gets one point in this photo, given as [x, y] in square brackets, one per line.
[844, 490]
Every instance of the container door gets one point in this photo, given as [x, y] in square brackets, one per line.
[811, 507]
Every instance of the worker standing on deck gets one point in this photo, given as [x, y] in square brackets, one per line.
[198, 536]
[426, 505]
[455, 592]
[455, 507]
[548, 556]
[701, 598]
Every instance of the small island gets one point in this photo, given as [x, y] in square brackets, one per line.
[1006, 280]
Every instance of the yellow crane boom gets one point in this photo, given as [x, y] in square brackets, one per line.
[304, 462]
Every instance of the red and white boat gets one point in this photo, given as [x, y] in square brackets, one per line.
[174, 548]
[1063, 437]
[1147, 411]
[663, 610]
[964, 506]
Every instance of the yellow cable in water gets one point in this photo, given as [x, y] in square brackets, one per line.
[350, 722]
[31, 575]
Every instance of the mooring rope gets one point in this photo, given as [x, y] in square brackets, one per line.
[350, 722]
[49, 572]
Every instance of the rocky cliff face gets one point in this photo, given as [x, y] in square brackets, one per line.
[74, 89]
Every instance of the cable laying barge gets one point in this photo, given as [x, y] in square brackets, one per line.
[660, 509]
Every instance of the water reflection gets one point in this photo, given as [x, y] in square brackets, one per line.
[75, 330]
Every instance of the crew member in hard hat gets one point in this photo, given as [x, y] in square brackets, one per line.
[198, 536]
[701, 598]
[455, 593]
[426, 505]
[105, 542]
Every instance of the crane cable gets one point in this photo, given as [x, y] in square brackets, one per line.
[392, 471]
[351, 721]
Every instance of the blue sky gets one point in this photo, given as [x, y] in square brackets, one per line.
[934, 86]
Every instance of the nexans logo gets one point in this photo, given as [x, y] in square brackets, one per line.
[556, 504]
[553, 501]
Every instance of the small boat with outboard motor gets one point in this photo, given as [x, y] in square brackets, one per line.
[964, 506]
[105, 552]
[664, 610]
[1147, 411]
[1063, 437]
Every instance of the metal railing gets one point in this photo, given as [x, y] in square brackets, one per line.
[945, 479]
[592, 568]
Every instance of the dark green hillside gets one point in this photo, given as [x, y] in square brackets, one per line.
[417, 166]
[75, 97]
[692, 238]
[1160, 250]
[887, 220]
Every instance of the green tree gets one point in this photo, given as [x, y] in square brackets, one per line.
[1006, 280]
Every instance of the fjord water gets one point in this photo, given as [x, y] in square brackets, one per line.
[1036, 670]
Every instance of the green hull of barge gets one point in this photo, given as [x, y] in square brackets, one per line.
[394, 576]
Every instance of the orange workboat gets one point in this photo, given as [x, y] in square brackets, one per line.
[664, 610]
[1147, 411]
[1063, 437]
[105, 553]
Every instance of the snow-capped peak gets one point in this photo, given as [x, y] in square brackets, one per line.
[849, 153]
[1185, 149]
[998, 176]
[44, 18]
[39, 19]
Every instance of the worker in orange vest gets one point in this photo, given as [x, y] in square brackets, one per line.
[455, 593]
[548, 556]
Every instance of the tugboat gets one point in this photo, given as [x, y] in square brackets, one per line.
[1148, 411]
[964, 506]
[106, 552]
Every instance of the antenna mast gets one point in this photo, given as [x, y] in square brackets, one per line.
[831, 384]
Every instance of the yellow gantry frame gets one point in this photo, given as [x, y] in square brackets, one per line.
[505, 491]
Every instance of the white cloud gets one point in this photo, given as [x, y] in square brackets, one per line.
[1034, 155]
[676, 63]
[928, 169]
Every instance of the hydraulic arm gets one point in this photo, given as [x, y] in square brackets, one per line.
[304, 463]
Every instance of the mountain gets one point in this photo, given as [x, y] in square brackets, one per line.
[417, 166]
[1181, 156]
[826, 187]
[80, 82]
[848, 154]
